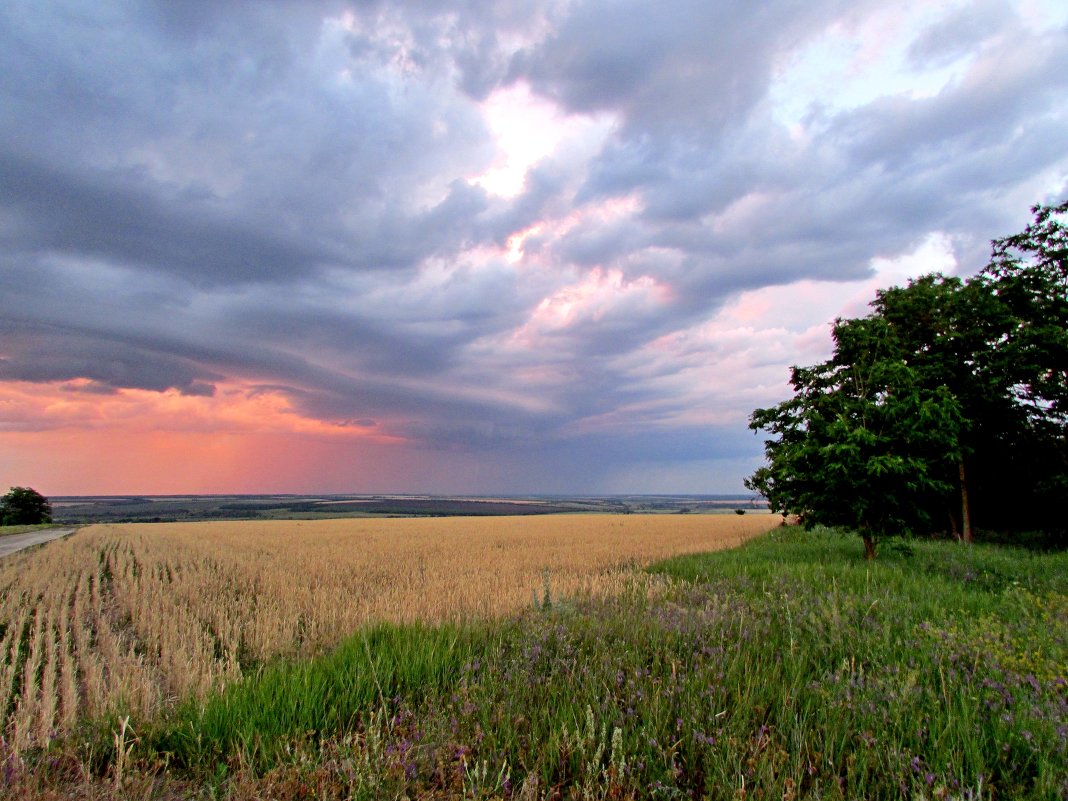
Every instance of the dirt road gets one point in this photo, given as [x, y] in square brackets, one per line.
[16, 542]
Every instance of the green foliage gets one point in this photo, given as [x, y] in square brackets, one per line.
[23, 506]
[1029, 274]
[863, 443]
[946, 385]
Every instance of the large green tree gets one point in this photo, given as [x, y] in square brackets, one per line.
[945, 407]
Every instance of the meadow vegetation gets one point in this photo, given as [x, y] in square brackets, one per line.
[786, 668]
[133, 619]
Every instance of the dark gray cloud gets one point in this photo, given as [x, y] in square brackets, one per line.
[255, 148]
[111, 217]
[45, 354]
[280, 196]
[691, 69]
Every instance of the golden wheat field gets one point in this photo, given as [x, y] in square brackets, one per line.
[138, 616]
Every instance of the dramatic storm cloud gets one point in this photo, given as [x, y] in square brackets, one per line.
[475, 247]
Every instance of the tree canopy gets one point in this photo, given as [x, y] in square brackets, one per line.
[24, 506]
[944, 409]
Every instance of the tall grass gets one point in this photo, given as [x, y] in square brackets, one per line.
[261, 715]
[788, 668]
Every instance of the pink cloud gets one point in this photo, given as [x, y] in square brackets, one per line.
[600, 295]
[718, 371]
[233, 409]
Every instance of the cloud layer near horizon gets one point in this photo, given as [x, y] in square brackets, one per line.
[270, 246]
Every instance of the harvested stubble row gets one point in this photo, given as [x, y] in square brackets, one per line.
[137, 616]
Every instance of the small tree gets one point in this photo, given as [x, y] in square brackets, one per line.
[24, 506]
[862, 443]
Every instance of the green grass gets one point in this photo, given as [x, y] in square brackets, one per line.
[25, 529]
[788, 668]
[260, 715]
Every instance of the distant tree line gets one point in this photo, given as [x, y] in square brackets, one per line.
[943, 410]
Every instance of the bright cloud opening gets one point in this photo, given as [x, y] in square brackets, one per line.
[600, 294]
[526, 128]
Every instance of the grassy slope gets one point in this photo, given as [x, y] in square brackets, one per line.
[788, 668]
[8, 530]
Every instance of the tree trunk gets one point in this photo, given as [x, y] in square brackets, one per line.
[869, 545]
[965, 506]
[953, 526]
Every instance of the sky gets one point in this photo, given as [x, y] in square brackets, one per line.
[558, 246]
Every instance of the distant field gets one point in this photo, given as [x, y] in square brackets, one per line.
[178, 509]
[138, 616]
